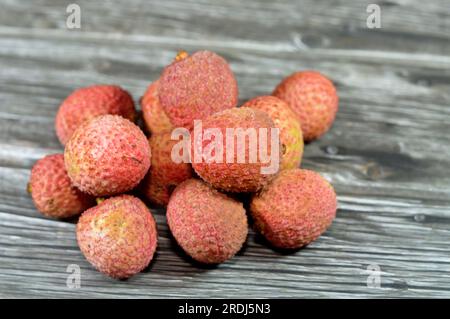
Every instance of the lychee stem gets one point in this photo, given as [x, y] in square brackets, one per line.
[181, 55]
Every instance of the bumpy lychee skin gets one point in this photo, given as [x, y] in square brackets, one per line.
[295, 209]
[107, 155]
[118, 236]
[194, 87]
[52, 191]
[155, 119]
[238, 174]
[165, 173]
[86, 103]
[314, 99]
[210, 226]
[291, 136]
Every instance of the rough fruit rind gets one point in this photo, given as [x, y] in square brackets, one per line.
[118, 237]
[291, 136]
[295, 209]
[164, 174]
[52, 191]
[107, 155]
[86, 103]
[210, 226]
[235, 176]
[197, 86]
[155, 119]
[314, 99]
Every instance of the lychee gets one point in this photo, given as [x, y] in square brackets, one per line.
[52, 192]
[155, 119]
[194, 87]
[86, 103]
[314, 99]
[107, 155]
[210, 226]
[118, 236]
[291, 137]
[295, 209]
[165, 173]
[237, 164]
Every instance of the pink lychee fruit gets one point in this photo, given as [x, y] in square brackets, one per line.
[86, 103]
[107, 155]
[118, 236]
[234, 162]
[155, 119]
[197, 86]
[295, 209]
[210, 226]
[291, 136]
[313, 97]
[165, 172]
[52, 191]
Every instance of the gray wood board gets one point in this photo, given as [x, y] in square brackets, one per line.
[387, 155]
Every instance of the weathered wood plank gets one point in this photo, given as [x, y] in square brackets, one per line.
[406, 24]
[387, 154]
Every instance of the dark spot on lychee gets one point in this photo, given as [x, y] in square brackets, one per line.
[283, 149]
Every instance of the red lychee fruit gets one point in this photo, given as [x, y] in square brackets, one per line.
[240, 167]
[52, 192]
[210, 226]
[86, 103]
[118, 236]
[155, 119]
[197, 86]
[291, 136]
[314, 99]
[295, 209]
[165, 173]
[107, 155]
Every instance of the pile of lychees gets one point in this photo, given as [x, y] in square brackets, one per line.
[108, 163]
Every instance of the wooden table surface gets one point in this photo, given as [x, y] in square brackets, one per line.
[387, 154]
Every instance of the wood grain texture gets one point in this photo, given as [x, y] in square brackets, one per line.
[388, 153]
